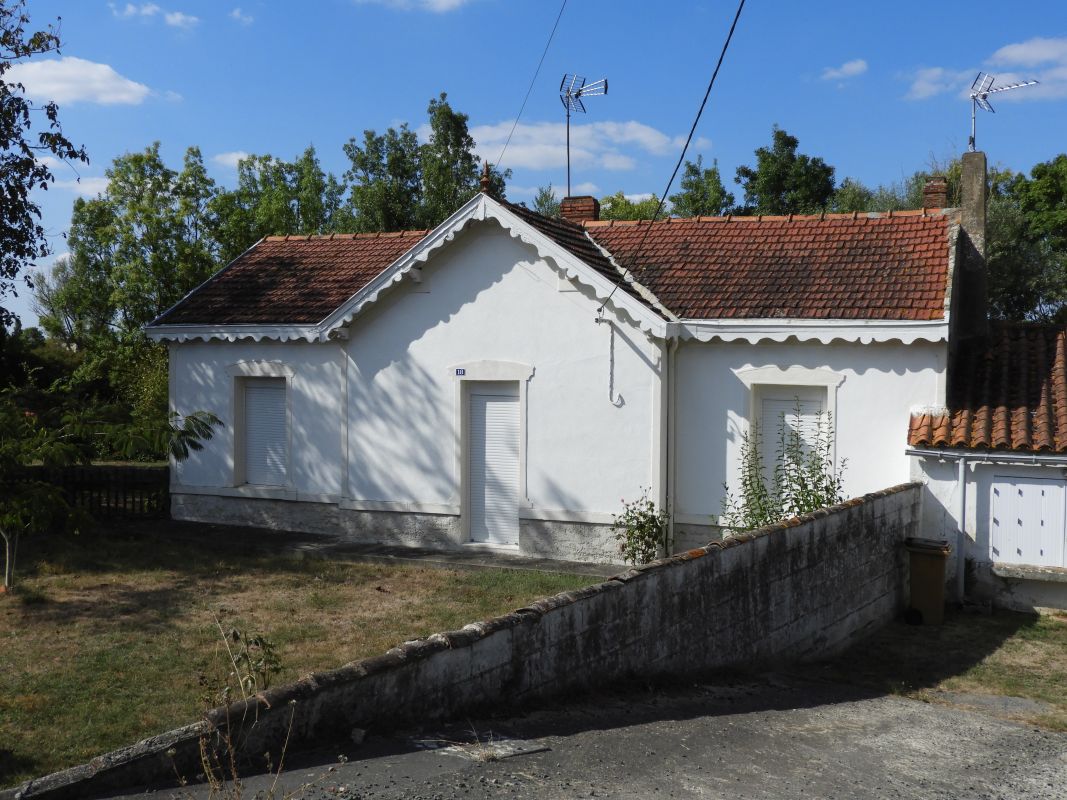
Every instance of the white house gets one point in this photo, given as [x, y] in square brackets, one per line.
[508, 379]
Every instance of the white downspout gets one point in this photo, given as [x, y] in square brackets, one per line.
[961, 537]
[672, 500]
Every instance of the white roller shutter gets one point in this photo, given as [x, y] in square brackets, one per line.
[778, 411]
[1027, 521]
[493, 450]
[266, 432]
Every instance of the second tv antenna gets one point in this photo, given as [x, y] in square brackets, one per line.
[571, 91]
[980, 91]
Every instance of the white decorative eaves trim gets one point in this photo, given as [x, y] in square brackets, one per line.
[481, 208]
[804, 330]
[233, 333]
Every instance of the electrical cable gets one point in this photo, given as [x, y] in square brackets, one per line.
[681, 158]
[533, 80]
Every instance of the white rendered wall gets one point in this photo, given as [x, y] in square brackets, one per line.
[882, 384]
[201, 379]
[489, 297]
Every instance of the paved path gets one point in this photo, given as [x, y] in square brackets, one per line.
[770, 738]
[335, 548]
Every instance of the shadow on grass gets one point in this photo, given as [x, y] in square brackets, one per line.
[902, 658]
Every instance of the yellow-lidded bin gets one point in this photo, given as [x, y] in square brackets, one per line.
[927, 559]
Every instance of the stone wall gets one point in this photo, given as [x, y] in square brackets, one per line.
[793, 591]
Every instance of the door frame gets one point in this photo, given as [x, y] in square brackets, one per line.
[463, 375]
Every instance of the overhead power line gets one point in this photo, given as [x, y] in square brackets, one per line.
[681, 156]
[533, 80]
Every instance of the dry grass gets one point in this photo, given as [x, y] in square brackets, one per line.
[109, 640]
[972, 661]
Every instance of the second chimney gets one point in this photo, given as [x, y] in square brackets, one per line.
[935, 192]
[580, 209]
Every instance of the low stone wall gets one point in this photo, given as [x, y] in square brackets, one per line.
[794, 591]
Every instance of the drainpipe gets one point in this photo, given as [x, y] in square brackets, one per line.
[672, 353]
[961, 517]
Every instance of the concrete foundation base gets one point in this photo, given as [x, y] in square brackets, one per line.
[572, 541]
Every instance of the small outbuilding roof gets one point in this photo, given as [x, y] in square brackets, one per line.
[1008, 393]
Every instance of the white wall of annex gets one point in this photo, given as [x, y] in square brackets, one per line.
[592, 407]
[201, 380]
[882, 384]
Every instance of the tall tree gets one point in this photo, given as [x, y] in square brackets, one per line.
[276, 197]
[386, 180]
[23, 167]
[545, 202]
[702, 193]
[397, 183]
[785, 181]
[619, 206]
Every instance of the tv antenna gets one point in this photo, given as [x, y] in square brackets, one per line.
[571, 91]
[980, 91]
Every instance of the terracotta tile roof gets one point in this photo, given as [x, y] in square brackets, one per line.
[1009, 393]
[819, 267]
[291, 280]
[570, 237]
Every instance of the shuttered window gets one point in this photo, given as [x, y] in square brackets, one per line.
[266, 432]
[798, 409]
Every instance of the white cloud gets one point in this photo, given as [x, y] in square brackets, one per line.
[1040, 59]
[229, 159]
[72, 80]
[172, 97]
[637, 198]
[542, 145]
[86, 187]
[1032, 53]
[850, 69]
[237, 15]
[176, 19]
[436, 6]
[931, 81]
[133, 10]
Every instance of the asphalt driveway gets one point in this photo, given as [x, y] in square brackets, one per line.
[772, 736]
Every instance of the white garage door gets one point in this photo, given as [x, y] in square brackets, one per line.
[493, 452]
[1027, 520]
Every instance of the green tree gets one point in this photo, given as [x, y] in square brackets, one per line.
[545, 202]
[619, 206]
[784, 181]
[23, 167]
[1043, 199]
[702, 193]
[275, 197]
[397, 183]
[386, 180]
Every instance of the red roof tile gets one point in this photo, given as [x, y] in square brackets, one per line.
[1009, 393]
[832, 267]
[291, 280]
[821, 267]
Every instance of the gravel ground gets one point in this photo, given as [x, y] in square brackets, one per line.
[769, 737]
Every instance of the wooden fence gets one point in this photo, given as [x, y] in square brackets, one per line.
[111, 491]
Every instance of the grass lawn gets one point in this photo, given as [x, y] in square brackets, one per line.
[973, 661]
[111, 639]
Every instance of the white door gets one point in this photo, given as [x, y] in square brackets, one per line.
[1027, 520]
[493, 456]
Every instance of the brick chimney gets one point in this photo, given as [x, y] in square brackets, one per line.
[935, 192]
[580, 209]
[970, 301]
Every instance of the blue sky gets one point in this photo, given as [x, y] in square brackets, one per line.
[876, 89]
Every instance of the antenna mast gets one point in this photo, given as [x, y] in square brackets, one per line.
[980, 90]
[571, 91]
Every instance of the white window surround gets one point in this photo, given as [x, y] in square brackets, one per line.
[241, 372]
[463, 375]
[754, 378]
